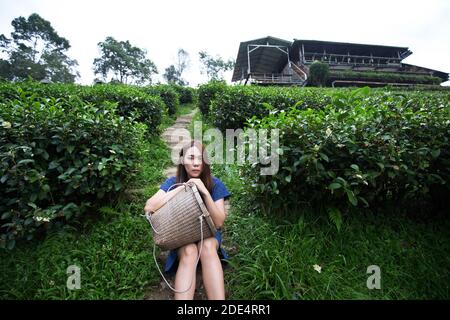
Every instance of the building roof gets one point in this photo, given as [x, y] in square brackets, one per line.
[352, 48]
[263, 59]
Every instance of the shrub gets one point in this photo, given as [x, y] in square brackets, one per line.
[131, 101]
[234, 105]
[360, 150]
[168, 94]
[58, 158]
[186, 94]
[207, 92]
[318, 73]
[384, 77]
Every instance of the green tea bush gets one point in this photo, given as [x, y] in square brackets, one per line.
[131, 101]
[384, 77]
[319, 73]
[362, 149]
[186, 94]
[168, 94]
[207, 92]
[234, 105]
[58, 158]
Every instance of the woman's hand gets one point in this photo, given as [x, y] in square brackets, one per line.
[200, 186]
[159, 199]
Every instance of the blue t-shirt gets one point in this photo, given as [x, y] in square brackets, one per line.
[219, 190]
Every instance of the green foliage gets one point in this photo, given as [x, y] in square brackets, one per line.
[37, 51]
[335, 217]
[362, 149]
[318, 73]
[59, 67]
[112, 246]
[235, 104]
[207, 92]
[168, 94]
[113, 253]
[59, 157]
[276, 258]
[273, 255]
[384, 77]
[187, 94]
[124, 61]
[214, 67]
[131, 101]
[171, 75]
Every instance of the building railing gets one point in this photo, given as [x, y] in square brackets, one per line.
[351, 60]
[275, 78]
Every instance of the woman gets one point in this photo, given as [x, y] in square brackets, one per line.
[194, 168]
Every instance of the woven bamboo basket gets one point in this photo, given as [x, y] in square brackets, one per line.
[177, 222]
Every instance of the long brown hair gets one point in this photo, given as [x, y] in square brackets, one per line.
[205, 175]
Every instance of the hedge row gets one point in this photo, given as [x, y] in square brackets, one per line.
[206, 93]
[167, 93]
[229, 107]
[384, 77]
[187, 94]
[131, 101]
[233, 105]
[58, 158]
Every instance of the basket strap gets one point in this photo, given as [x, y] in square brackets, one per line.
[204, 210]
[196, 263]
[148, 215]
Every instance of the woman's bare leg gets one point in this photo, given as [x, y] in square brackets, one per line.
[212, 271]
[188, 255]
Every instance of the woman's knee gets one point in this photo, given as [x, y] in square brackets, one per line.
[188, 253]
[209, 249]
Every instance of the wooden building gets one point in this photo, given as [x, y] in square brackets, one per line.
[273, 61]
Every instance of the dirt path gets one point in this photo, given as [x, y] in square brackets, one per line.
[173, 136]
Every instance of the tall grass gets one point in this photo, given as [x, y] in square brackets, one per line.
[274, 257]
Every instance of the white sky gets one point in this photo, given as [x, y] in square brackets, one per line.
[163, 26]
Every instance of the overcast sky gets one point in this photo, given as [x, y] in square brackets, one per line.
[163, 26]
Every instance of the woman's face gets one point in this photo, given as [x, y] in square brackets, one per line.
[193, 162]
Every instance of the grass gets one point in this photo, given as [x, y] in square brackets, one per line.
[112, 247]
[114, 257]
[277, 260]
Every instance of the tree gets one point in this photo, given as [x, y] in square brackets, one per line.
[182, 64]
[318, 73]
[124, 61]
[36, 50]
[59, 68]
[214, 67]
[173, 74]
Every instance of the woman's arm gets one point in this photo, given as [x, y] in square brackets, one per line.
[159, 199]
[216, 209]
